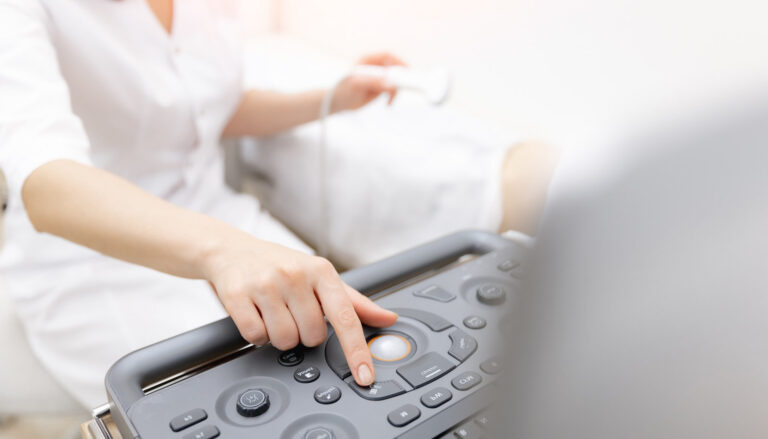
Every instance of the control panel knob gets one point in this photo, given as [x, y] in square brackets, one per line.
[319, 433]
[491, 294]
[252, 402]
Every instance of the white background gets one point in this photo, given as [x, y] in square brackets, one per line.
[564, 70]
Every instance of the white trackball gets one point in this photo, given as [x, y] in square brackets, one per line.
[389, 347]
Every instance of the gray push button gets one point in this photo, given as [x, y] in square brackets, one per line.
[486, 418]
[209, 432]
[319, 433]
[327, 395]
[188, 419]
[403, 415]
[469, 430]
[462, 345]
[426, 369]
[435, 322]
[306, 374]
[508, 265]
[290, 358]
[491, 366]
[474, 322]
[335, 358]
[378, 390]
[466, 381]
[435, 293]
[436, 398]
[491, 294]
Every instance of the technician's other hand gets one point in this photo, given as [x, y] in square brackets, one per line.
[280, 295]
[358, 90]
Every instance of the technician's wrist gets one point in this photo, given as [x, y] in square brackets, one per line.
[216, 252]
[339, 99]
[333, 105]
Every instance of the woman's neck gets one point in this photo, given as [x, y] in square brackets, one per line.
[163, 10]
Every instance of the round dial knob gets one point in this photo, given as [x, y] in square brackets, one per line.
[319, 433]
[491, 294]
[252, 402]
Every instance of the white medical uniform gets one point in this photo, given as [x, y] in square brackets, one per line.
[101, 82]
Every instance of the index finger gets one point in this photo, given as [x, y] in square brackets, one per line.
[341, 314]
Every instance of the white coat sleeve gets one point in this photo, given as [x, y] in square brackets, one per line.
[37, 124]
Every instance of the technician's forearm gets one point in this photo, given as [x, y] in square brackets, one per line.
[264, 113]
[101, 211]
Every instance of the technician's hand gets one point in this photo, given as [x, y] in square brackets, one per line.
[357, 91]
[280, 295]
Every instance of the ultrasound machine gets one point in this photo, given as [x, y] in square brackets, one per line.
[435, 367]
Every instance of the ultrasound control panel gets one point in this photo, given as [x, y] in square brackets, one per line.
[435, 367]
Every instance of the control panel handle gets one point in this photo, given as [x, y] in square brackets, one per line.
[127, 378]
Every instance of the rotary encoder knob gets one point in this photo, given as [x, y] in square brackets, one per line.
[252, 402]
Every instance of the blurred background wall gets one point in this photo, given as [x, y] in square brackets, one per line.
[566, 70]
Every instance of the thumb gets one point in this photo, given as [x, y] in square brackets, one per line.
[370, 313]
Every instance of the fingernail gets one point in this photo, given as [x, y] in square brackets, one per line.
[364, 375]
